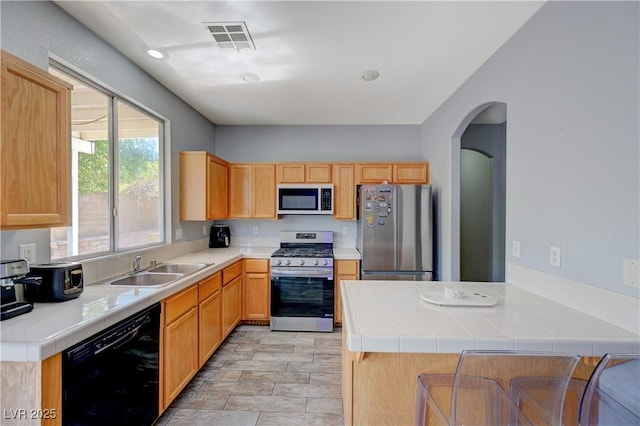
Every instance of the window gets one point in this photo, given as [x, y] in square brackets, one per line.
[117, 174]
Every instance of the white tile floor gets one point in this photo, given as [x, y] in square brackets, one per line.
[260, 377]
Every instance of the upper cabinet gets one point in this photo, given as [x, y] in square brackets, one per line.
[303, 173]
[344, 191]
[411, 173]
[203, 186]
[252, 190]
[400, 173]
[35, 147]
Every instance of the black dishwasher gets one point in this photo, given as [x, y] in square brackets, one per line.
[112, 378]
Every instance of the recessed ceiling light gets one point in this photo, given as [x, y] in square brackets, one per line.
[369, 75]
[157, 53]
[250, 78]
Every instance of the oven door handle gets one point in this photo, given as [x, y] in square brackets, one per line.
[307, 273]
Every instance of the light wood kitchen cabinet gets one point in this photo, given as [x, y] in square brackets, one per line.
[344, 191]
[180, 342]
[343, 270]
[303, 173]
[203, 186]
[398, 173]
[35, 147]
[417, 173]
[374, 172]
[256, 289]
[252, 190]
[231, 297]
[209, 316]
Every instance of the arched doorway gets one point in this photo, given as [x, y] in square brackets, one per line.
[478, 195]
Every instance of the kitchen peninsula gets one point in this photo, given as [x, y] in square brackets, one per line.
[390, 335]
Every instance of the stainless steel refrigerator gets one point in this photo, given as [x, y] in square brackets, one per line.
[395, 232]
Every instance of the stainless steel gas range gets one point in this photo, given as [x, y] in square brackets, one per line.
[302, 282]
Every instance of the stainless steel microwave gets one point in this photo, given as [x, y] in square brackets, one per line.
[305, 198]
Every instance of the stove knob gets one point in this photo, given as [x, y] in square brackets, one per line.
[278, 261]
[287, 262]
[301, 262]
[325, 262]
[315, 262]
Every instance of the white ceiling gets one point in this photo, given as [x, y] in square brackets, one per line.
[310, 54]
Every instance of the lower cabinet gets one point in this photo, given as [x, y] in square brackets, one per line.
[256, 289]
[209, 317]
[347, 270]
[180, 342]
[231, 297]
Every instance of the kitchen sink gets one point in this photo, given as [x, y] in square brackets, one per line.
[178, 268]
[147, 279]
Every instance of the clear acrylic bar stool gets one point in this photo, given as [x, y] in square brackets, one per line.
[612, 395]
[479, 391]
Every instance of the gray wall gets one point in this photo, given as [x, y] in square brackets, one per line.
[319, 143]
[569, 78]
[33, 30]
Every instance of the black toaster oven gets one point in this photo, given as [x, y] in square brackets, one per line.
[60, 282]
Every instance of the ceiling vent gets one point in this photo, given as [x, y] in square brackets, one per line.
[230, 35]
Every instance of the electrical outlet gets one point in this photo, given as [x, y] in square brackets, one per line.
[345, 231]
[255, 229]
[554, 256]
[178, 233]
[516, 248]
[28, 253]
[204, 229]
[631, 272]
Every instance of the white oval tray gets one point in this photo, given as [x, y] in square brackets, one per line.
[468, 299]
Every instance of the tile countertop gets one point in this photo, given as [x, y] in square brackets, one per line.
[52, 327]
[390, 316]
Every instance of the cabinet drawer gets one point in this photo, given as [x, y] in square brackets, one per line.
[256, 265]
[209, 285]
[230, 272]
[177, 305]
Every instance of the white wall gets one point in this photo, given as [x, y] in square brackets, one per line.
[34, 30]
[570, 80]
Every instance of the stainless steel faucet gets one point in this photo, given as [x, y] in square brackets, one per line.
[136, 263]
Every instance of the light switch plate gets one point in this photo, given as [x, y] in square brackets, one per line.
[554, 256]
[516, 248]
[178, 233]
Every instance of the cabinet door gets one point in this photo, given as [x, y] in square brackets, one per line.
[317, 173]
[209, 327]
[374, 173]
[231, 305]
[264, 191]
[344, 270]
[256, 299]
[34, 148]
[417, 173]
[193, 185]
[344, 191]
[240, 190]
[180, 354]
[289, 173]
[217, 184]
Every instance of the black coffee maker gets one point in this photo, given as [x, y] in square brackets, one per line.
[220, 236]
